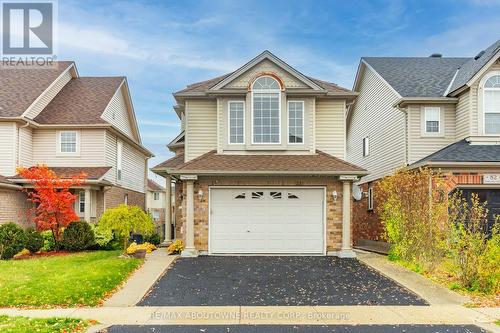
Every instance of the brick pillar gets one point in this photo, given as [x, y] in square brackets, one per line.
[346, 250]
[190, 250]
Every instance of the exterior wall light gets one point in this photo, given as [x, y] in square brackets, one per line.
[334, 195]
[200, 195]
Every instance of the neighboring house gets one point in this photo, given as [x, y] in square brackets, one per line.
[260, 163]
[72, 124]
[438, 112]
[155, 205]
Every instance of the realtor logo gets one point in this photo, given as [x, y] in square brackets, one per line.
[27, 31]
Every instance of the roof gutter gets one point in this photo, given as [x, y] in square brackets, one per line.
[438, 164]
[253, 172]
[404, 101]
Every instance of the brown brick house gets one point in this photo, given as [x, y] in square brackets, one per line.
[260, 163]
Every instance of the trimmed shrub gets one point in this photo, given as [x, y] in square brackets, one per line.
[78, 236]
[12, 240]
[154, 239]
[48, 241]
[34, 241]
[102, 238]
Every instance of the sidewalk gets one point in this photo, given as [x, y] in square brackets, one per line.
[142, 280]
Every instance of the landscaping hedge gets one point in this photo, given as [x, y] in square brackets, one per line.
[34, 241]
[78, 236]
[12, 240]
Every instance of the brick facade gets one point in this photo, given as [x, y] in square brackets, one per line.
[115, 196]
[14, 207]
[334, 208]
[367, 224]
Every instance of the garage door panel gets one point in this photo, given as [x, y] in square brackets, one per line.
[271, 220]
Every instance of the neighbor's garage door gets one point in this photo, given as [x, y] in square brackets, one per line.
[491, 196]
[265, 220]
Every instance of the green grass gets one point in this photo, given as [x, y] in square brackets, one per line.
[497, 322]
[41, 325]
[78, 279]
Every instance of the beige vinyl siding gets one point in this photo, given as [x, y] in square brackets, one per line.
[422, 145]
[201, 127]
[133, 164]
[463, 116]
[7, 149]
[476, 105]
[155, 204]
[117, 113]
[265, 66]
[110, 156]
[25, 146]
[134, 169]
[91, 148]
[330, 126]
[374, 116]
[48, 95]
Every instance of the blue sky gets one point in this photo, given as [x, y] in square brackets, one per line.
[161, 46]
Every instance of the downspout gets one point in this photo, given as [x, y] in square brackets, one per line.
[405, 112]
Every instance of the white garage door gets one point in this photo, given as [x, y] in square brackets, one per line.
[266, 220]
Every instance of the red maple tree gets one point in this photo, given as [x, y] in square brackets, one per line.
[52, 198]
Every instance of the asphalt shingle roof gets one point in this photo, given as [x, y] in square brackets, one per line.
[472, 66]
[21, 86]
[154, 186]
[417, 77]
[92, 173]
[81, 101]
[212, 162]
[429, 76]
[463, 151]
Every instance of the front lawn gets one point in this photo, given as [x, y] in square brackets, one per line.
[42, 325]
[84, 278]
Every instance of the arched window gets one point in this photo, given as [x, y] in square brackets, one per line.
[266, 106]
[491, 104]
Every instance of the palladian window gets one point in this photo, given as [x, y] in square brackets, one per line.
[266, 110]
[492, 105]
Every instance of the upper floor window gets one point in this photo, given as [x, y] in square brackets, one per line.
[266, 104]
[432, 119]
[68, 142]
[295, 121]
[156, 195]
[366, 146]
[236, 121]
[492, 105]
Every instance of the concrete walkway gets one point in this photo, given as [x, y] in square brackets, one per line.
[140, 282]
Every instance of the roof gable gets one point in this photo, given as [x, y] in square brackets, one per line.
[21, 87]
[266, 62]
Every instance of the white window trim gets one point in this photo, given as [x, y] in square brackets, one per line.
[278, 91]
[288, 121]
[81, 195]
[229, 122]
[366, 146]
[58, 143]
[424, 132]
[483, 113]
[370, 198]
[156, 196]
[119, 160]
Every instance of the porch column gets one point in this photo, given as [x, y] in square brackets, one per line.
[346, 250]
[168, 209]
[190, 250]
[88, 199]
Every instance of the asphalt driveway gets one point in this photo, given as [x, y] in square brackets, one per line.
[275, 281]
[301, 329]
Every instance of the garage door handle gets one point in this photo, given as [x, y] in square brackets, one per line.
[248, 230]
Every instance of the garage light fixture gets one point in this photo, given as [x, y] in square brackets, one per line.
[200, 195]
[334, 195]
